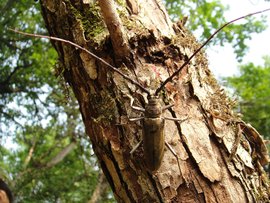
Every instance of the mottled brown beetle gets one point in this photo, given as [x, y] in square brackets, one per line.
[153, 122]
[153, 132]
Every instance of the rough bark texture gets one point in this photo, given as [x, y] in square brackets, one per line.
[153, 47]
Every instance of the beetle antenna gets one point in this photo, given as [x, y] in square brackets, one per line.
[87, 51]
[205, 43]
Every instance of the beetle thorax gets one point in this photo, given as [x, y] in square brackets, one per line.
[153, 108]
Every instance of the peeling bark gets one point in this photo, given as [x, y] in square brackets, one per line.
[202, 171]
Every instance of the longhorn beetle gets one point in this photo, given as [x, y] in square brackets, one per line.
[153, 122]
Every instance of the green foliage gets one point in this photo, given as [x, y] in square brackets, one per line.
[72, 180]
[208, 16]
[25, 66]
[252, 86]
[38, 119]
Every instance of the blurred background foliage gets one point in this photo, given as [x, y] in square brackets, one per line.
[252, 90]
[45, 155]
[204, 17]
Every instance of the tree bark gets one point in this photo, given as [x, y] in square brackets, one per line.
[213, 164]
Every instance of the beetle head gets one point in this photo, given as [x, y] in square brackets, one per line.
[153, 108]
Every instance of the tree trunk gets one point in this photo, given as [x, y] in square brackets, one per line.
[219, 157]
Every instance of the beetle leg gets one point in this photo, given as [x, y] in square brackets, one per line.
[175, 119]
[136, 147]
[170, 148]
[135, 119]
[167, 107]
[135, 107]
[174, 153]
[172, 119]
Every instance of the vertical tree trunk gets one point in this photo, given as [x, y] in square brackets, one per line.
[140, 40]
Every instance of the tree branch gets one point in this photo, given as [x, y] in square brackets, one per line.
[116, 30]
[61, 155]
[100, 189]
[30, 154]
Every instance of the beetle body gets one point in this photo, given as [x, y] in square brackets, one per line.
[153, 134]
[153, 131]
[153, 142]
